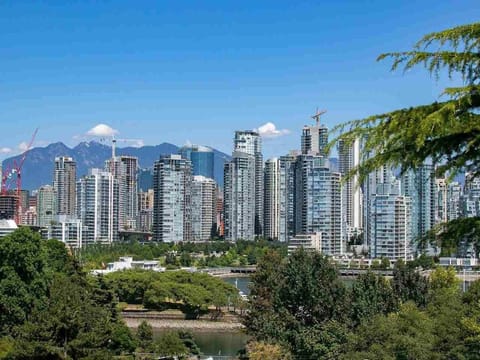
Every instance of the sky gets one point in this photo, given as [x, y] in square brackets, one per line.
[196, 71]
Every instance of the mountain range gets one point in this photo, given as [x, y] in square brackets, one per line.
[39, 164]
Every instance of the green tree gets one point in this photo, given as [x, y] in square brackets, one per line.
[72, 323]
[370, 295]
[23, 279]
[145, 336]
[407, 334]
[298, 303]
[170, 344]
[409, 285]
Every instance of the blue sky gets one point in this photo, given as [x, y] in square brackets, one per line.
[195, 71]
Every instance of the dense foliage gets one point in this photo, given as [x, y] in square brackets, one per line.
[300, 308]
[192, 293]
[50, 308]
[209, 254]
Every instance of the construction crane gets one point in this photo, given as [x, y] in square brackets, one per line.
[317, 116]
[115, 140]
[14, 172]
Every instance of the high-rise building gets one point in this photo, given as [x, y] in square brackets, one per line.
[349, 158]
[203, 208]
[98, 206]
[271, 210]
[219, 212]
[29, 217]
[202, 159]
[454, 197]
[419, 186]
[250, 142]
[441, 200]
[145, 210]
[471, 196]
[64, 184]
[172, 199]
[314, 139]
[46, 205]
[125, 170]
[318, 203]
[8, 206]
[373, 183]
[239, 197]
[389, 228]
[286, 222]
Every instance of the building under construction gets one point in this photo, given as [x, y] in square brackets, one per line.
[8, 206]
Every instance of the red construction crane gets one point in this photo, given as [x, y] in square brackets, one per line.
[15, 170]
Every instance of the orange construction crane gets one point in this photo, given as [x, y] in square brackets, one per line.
[14, 172]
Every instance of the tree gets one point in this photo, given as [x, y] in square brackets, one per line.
[261, 350]
[23, 279]
[74, 322]
[299, 303]
[170, 344]
[409, 285]
[371, 295]
[407, 334]
[448, 133]
[145, 335]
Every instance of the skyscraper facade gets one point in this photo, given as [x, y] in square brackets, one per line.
[125, 171]
[202, 158]
[390, 225]
[314, 139]
[64, 184]
[349, 158]
[203, 208]
[250, 142]
[374, 184]
[172, 183]
[98, 207]
[471, 196]
[239, 197]
[272, 199]
[145, 210]
[419, 185]
[441, 200]
[318, 203]
[454, 197]
[46, 205]
[286, 222]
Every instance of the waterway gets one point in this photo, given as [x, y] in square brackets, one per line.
[242, 283]
[218, 343]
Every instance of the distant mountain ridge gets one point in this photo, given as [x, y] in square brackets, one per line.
[39, 164]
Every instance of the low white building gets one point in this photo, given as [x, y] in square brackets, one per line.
[7, 227]
[309, 242]
[458, 262]
[127, 263]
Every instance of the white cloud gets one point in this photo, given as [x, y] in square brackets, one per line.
[102, 130]
[138, 143]
[5, 150]
[269, 130]
[23, 146]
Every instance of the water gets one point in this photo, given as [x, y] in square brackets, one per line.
[240, 282]
[223, 343]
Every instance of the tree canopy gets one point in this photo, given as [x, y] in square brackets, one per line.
[448, 132]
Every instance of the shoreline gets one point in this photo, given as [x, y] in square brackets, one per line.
[197, 325]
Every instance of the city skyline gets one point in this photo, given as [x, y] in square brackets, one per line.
[156, 73]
